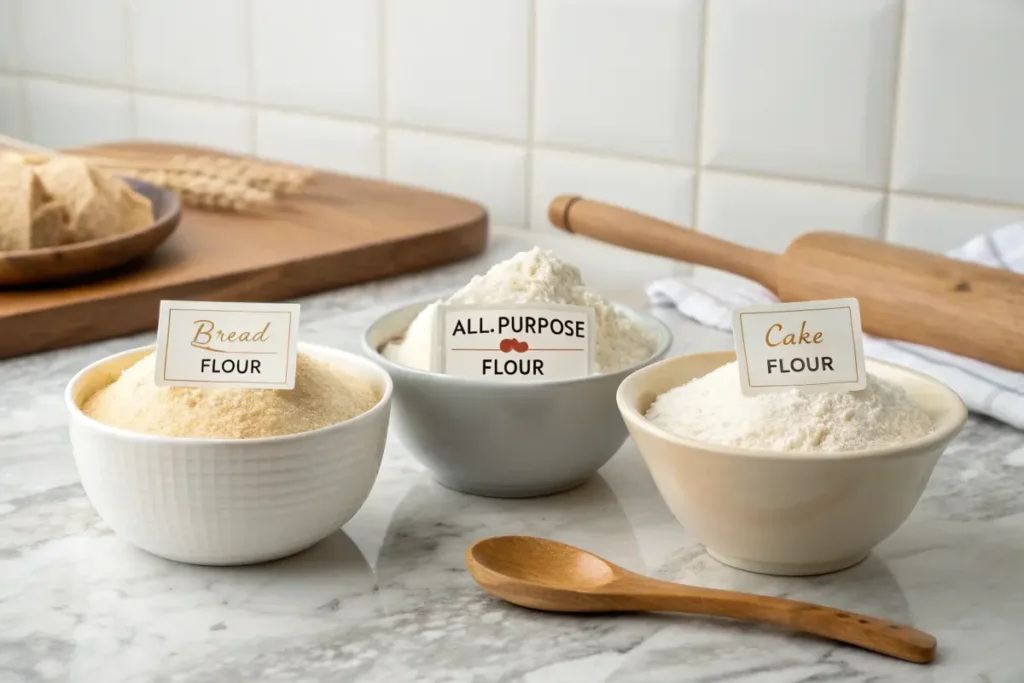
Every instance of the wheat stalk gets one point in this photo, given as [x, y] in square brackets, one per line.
[202, 181]
[278, 179]
[206, 192]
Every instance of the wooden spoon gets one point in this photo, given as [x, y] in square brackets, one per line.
[555, 577]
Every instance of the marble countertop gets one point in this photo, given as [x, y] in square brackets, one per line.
[387, 598]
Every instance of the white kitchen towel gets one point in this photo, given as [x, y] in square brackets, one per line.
[709, 296]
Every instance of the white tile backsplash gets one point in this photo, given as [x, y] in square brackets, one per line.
[10, 38]
[318, 142]
[749, 119]
[660, 190]
[219, 126]
[802, 89]
[941, 225]
[10, 107]
[191, 47]
[769, 214]
[320, 55]
[63, 115]
[619, 76]
[97, 52]
[962, 100]
[491, 173]
[460, 65]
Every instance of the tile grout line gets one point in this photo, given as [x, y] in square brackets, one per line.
[702, 63]
[348, 118]
[901, 47]
[531, 97]
[20, 80]
[806, 180]
[129, 48]
[382, 84]
[250, 58]
[23, 77]
[210, 100]
[609, 156]
[834, 185]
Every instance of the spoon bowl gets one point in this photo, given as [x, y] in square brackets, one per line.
[540, 562]
[547, 575]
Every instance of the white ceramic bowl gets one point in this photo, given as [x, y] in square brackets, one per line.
[227, 501]
[782, 512]
[506, 440]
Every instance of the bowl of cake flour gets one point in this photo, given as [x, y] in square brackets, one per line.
[501, 439]
[228, 476]
[788, 483]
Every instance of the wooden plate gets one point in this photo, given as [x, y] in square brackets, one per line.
[53, 264]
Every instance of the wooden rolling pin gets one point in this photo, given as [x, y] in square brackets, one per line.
[904, 293]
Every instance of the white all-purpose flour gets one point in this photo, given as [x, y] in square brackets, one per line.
[532, 277]
[714, 410]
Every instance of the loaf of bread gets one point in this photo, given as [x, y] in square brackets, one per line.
[63, 201]
[30, 218]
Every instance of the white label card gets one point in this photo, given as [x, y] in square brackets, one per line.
[227, 345]
[532, 342]
[811, 345]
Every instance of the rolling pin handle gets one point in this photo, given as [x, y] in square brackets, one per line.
[558, 210]
[626, 228]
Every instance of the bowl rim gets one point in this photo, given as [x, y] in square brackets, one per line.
[937, 437]
[168, 220]
[662, 333]
[318, 350]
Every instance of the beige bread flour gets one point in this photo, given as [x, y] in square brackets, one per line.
[323, 395]
[532, 277]
[713, 409]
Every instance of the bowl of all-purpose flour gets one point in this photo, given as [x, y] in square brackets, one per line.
[495, 438]
[788, 483]
[228, 476]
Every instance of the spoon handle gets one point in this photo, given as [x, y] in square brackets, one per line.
[877, 635]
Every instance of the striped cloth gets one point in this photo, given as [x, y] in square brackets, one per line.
[709, 296]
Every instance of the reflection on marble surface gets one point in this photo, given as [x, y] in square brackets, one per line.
[388, 599]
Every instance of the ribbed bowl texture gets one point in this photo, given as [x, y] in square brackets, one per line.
[221, 501]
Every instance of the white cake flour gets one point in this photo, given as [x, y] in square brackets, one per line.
[713, 409]
[532, 277]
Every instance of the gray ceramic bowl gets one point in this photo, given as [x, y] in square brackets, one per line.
[506, 440]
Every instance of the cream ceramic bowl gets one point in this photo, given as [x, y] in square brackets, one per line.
[506, 440]
[781, 512]
[227, 501]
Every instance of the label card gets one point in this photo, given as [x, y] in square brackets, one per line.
[811, 345]
[227, 345]
[532, 342]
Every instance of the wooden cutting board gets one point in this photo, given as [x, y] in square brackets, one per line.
[339, 231]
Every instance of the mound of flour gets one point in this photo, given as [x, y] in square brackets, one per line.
[323, 395]
[714, 410]
[532, 277]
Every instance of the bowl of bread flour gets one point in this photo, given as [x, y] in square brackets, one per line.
[522, 439]
[788, 483]
[228, 476]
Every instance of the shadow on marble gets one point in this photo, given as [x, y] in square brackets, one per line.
[103, 610]
[706, 648]
[435, 525]
[869, 587]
